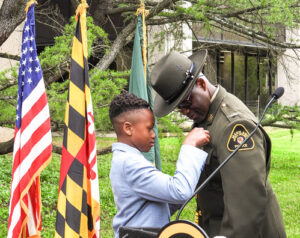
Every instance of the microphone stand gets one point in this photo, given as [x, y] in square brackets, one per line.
[228, 158]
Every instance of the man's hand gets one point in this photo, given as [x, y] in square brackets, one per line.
[197, 137]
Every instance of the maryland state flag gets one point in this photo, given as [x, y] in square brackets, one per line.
[139, 83]
[78, 206]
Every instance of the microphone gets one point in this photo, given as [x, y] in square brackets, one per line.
[277, 94]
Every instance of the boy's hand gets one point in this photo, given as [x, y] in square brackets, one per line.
[197, 137]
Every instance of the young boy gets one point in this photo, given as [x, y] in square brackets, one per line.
[142, 193]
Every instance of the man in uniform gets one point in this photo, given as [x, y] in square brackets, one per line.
[238, 201]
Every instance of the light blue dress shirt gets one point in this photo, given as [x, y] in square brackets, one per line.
[142, 192]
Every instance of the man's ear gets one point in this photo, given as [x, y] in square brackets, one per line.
[127, 128]
[200, 82]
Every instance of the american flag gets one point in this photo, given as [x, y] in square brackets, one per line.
[32, 143]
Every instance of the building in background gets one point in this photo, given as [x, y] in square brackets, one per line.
[244, 68]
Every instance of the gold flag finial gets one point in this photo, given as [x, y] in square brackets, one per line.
[29, 4]
[141, 10]
[81, 8]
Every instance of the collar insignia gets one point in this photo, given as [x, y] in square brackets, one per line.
[210, 118]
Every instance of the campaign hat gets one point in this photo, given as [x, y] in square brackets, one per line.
[173, 77]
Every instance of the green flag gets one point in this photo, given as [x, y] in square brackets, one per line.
[141, 87]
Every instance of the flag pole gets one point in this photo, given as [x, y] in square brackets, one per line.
[141, 10]
[139, 77]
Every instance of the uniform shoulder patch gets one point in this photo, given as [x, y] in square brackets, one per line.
[237, 136]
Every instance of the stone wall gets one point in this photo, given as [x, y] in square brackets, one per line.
[288, 72]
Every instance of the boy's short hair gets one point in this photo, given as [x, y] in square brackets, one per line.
[125, 102]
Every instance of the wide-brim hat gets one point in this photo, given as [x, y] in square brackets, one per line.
[172, 78]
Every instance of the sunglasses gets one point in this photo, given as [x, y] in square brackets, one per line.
[185, 104]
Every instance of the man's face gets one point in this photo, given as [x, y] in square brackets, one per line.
[142, 130]
[196, 105]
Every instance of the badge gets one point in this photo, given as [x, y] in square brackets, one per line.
[237, 136]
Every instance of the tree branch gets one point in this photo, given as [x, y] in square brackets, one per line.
[260, 36]
[120, 41]
[57, 149]
[119, 10]
[243, 11]
[9, 56]
[7, 147]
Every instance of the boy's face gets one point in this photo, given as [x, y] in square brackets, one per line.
[142, 134]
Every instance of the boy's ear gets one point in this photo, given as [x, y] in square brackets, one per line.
[127, 128]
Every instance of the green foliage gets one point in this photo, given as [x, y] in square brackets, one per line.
[61, 50]
[8, 94]
[5, 181]
[104, 85]
[283, 116]
[169, 123]
[57, 97]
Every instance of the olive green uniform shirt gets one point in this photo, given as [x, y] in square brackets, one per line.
[238, 202]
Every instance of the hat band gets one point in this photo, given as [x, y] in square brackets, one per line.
[189, 77]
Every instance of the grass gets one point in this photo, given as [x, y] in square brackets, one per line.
[284, 177]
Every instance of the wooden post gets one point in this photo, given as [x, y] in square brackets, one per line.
[246, 78]
[232, 73]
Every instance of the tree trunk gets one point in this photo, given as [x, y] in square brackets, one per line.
[7, 147]
[12, 13]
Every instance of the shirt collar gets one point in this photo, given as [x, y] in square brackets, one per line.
[215, 94]
[213, 108]
[124, 147]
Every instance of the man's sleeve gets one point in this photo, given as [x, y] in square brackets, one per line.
[243, 180]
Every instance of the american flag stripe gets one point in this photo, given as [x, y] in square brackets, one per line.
[15, 203]
[36, 93]
[40, 118]
[39, 128]
[35, 109]
[36, 137]
[37, 151]
[32, 220]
